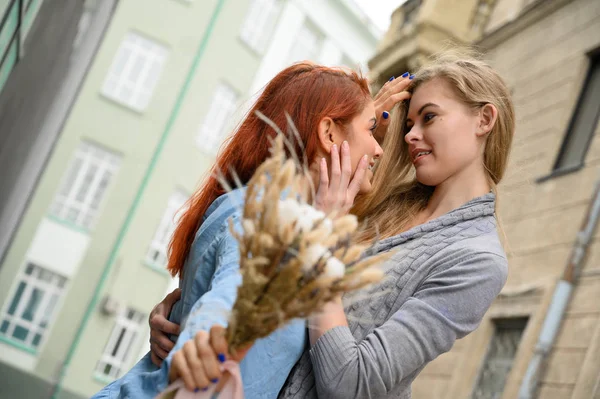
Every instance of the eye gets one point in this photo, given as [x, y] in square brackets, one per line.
[372, 129]
[428, 117]
[407, 129]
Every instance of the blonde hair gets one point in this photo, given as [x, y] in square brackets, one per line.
[397, 196]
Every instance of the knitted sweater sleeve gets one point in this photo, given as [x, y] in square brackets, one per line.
[449, 304]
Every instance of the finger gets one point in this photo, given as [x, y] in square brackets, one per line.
[172, 297]
[160, 323]
[207, 357]
[346, 167]
[196, 364]
[161, 340]
[156, 360]
[395, 99]
[158, 351]
[323, 188]
[359, 175]
[180, 368]
[334, 182]
[218, 341]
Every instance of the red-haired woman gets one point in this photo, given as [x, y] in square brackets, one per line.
[334, 114]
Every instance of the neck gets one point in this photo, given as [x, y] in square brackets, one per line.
[455, 191]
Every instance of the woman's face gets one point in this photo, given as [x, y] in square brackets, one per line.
[444, 135]
[361, 141]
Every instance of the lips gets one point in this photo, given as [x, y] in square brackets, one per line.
[419, 153]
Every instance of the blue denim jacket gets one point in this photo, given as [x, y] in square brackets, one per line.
[209, 288]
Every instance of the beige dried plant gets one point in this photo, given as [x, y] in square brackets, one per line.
[293, 258]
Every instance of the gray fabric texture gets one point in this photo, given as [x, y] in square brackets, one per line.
[438, 285]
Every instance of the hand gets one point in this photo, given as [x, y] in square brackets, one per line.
[160, 326]
[337, 195]
[197, 363]
[392, 92]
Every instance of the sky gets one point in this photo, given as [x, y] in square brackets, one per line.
[380, 11]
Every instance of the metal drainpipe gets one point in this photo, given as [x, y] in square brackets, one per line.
[155, 156]
[561, 297]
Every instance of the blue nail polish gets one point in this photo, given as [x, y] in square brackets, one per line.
[221, 357]
[392, 78]
[204, 389]
[197, 390]
[385, 114]
[412, 77]
[405, 74]
[214, 381]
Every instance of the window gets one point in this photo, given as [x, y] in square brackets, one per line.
[30, 310]
[218, 117]
[307, 45]
[259, 23]
[14, 26]
[135, 71]
[85, 185]
[157, 253]
[500, 357]
[411, 10]
[584, 122]
[124, 336]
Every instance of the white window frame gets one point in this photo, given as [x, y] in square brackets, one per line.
[302, 37]
[157, 251]
[124, 336]
[259, 23]
[45, 311]
[218, 118]
[134, 88]
[95, 167]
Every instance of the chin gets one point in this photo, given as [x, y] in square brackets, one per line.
[428, 179]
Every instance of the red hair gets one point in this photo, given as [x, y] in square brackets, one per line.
[308, 93]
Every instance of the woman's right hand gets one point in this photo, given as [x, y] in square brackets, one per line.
[161, 327]
[198, 362]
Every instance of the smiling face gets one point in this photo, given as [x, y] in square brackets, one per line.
[361, 141]
[444, 136]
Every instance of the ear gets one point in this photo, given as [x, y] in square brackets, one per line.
[327, 134]
[487, 119]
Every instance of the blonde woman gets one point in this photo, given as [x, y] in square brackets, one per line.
[433, 201]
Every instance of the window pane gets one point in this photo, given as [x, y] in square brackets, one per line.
[500, 357]
[36, 340]
[20, 333]
[32, 306]
[16, 298]
[4, 326]
[584, 122]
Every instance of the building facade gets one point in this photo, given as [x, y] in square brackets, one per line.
[168, 82]
[547, 52]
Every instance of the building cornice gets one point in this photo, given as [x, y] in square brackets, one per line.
[531, 14]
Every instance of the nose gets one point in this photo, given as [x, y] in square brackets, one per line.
[415, 134]
[378, 151]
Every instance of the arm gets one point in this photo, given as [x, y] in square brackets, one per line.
[448, 305]
[214, 306]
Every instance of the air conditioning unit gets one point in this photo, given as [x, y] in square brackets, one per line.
[109, 306]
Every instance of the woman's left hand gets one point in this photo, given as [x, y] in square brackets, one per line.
[392, 92]
[336, 194]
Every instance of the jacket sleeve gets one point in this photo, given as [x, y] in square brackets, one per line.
[215, 305]
[448, 305]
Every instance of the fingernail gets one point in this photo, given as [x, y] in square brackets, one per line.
[405, 74]
[392, 78]
[221, 357]
[197, 390]
[412, 77]
[214, 381]
[385, 114]
[204, 389]
[365, 157]
[334, 147]
[345, 145]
